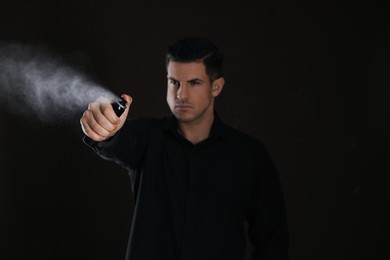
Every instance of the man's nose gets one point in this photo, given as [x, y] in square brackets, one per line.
[182, 92]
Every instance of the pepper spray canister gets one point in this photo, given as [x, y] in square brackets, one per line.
[119, 106]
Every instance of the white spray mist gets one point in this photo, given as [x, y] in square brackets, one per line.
[36, 83]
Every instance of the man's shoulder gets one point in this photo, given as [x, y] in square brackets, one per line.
[242, 138]
[247, 145]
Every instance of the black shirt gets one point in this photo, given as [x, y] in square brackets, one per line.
[194, 202]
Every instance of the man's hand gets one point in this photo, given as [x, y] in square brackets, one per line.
[99, 122]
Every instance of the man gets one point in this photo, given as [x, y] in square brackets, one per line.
[199, 185]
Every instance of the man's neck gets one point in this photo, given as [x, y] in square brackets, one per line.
[196, 132]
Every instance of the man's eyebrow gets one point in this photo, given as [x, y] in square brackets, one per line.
[172, 78]
[195, 80]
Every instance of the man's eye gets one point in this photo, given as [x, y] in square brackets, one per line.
[194, 83]
[173, 82]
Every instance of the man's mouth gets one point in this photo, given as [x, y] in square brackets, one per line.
[182, 106]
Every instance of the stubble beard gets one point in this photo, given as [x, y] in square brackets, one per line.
[196, 117]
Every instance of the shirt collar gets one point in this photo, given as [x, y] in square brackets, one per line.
[218, 129]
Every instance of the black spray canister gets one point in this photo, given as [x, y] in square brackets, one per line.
[119, 106]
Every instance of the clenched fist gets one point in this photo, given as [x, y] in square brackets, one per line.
[99, 122]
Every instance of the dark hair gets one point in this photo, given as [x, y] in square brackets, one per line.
[191, 49]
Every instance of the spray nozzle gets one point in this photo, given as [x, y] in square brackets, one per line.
[119, 106]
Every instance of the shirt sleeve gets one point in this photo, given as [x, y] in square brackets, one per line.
[267, 221]
[127, 147]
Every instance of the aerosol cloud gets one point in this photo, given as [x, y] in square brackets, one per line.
[35, 82]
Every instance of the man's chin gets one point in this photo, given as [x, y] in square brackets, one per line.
[184, 117]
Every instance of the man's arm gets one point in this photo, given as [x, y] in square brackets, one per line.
[102, 126]
[267, 221]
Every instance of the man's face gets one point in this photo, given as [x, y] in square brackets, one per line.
[190, 94]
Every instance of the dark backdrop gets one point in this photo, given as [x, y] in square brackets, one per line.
[309, 78]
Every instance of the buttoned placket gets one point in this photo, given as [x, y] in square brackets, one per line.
[192, 201]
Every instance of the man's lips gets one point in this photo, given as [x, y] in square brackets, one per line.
[183, 106]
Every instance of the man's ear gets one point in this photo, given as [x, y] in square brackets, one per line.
[218, 86]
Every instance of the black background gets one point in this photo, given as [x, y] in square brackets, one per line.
[309, 78]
